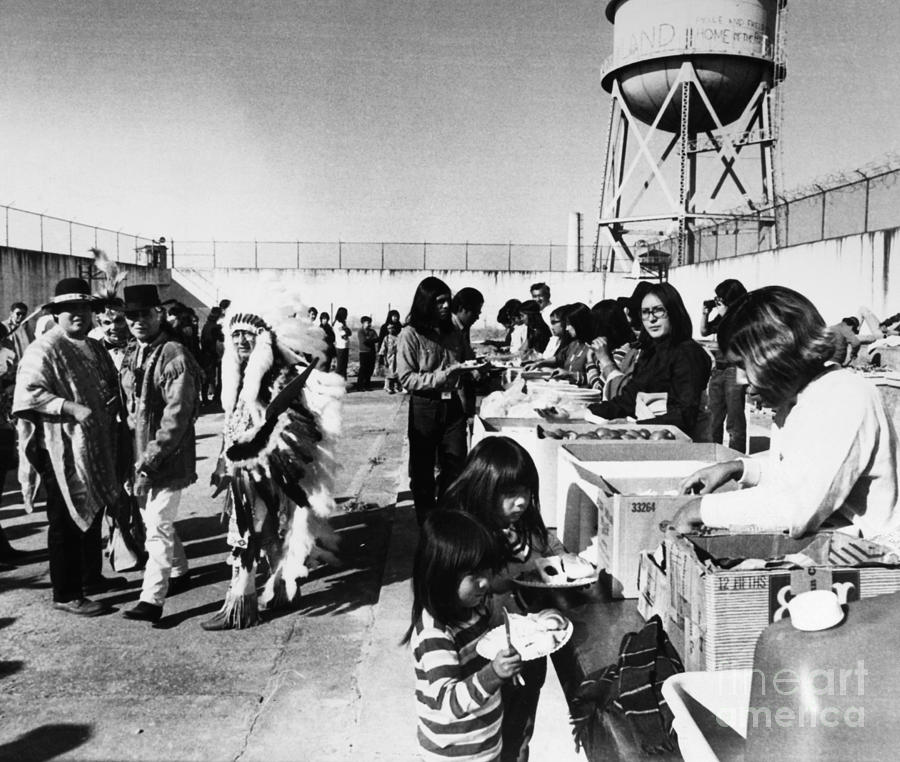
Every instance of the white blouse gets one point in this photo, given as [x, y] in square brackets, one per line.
[836, 453]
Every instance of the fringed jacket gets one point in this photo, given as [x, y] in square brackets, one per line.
[161, 381]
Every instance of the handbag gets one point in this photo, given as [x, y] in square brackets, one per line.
[127, 536]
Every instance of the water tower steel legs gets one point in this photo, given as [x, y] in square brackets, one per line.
[684, 209]
[685, 188]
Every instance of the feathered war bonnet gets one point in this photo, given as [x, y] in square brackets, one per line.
[109, 285]
[283, 337]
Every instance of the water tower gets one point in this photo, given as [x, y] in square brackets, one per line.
[693, 119]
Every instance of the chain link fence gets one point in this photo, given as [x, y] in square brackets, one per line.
[205, 255]
[33, 231]
[863, 201]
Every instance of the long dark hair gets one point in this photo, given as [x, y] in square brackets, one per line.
[382, 332]
[340, 315]
[781, 338]
[582, 320]
[451, 545]
[680, 325]
[634, 304]
[508, 312]
[612, 324]
[497, 466]
[423, 313]
[730, 290]
[561, 314]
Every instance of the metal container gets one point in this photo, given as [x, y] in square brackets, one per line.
[731, 44]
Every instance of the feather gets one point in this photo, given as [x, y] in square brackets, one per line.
[110, 269]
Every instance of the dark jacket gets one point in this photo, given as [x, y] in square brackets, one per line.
[681, 370]
[368, 340]
[161, 397]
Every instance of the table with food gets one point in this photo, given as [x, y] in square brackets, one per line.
[724, 568]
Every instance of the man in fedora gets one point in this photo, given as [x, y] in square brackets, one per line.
[67, 403]
[161, 381]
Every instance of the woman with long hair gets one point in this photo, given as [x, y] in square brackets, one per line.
[558, 331]
[393, 318]
[726, 396]
[430, 353]
[537, 332]
[341, 341]
[573, 357]
[610, 347]
[835, 456]
[671, 366]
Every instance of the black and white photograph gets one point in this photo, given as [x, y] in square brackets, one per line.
[418, 380]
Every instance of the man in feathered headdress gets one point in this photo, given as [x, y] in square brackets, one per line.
[281, 418]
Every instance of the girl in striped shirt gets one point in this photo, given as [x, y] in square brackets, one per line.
[457, 691]
[499, 486]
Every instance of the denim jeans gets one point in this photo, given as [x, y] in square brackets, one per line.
[726, 406]
[437, 435]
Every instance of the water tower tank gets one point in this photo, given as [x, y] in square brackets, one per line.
[730, 43]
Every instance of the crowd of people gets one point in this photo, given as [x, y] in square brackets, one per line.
[833, 462]
[104, 399]
[99, 409]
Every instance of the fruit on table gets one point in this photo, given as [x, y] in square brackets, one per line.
[662, 434]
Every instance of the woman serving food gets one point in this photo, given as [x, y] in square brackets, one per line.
[834, 449]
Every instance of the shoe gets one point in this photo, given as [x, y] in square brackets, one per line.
[217, 623]
[392, 392]
[82, 607]
[145, 612]
[179, 584]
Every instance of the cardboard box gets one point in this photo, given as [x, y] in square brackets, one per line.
[544, 450]
[613, 494]
[653, 587]
[715, 615]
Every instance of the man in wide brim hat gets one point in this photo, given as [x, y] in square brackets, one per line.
[67, 403]
[140, 298]
[160, 381]
[73, 291]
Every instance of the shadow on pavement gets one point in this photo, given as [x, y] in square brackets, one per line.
[201, 527]
[10, 667]
[168, 622]
[20, 531]
[16, 582]
[46, 742]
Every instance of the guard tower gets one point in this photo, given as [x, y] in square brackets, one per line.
[693, 121]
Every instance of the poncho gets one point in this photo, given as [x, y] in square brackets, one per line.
[53, 369]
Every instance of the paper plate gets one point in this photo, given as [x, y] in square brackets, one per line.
[525, 580]
[527, 638]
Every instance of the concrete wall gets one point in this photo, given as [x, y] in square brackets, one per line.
[837, 275]
[31, 276]
[373, 292]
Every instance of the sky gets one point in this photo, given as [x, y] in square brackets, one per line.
[370, 120]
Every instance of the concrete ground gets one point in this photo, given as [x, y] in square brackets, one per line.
[326, 681]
